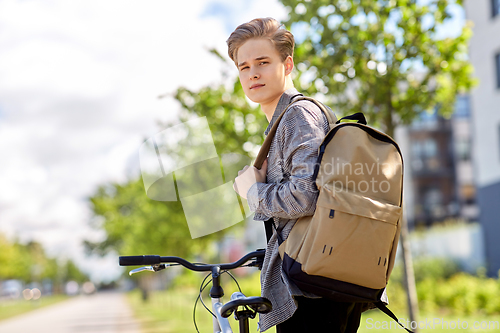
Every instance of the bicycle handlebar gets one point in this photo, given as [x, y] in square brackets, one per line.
[155, 259]
[139, 260]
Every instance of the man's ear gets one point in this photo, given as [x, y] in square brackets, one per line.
[288, 65]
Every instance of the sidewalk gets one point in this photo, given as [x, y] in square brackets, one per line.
[100, 313]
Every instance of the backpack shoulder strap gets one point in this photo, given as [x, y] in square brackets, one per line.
[388, 312]
[264, 149]
[330, 116]
[268, 227]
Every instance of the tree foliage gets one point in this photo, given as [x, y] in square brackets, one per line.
[135, 224]
[29, 263]
[384, 57]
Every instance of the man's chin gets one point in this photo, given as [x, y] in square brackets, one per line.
[256, 98]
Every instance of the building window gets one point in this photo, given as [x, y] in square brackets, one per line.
[462, 109]
[463, 149]
[497, 63]
[426, 121]
[433, 203]
[425, 154]
[495, 5]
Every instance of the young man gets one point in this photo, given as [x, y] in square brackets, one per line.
[284, 188]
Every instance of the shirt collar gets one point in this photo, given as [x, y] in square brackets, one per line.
[284, 101]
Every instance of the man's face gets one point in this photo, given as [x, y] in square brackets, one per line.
[261, 71]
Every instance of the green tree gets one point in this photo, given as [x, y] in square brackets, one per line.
[135, 224]
[7, 256]
[384, 58]
[29, 263]
[24, 261]
[70, 272]
[51, 270]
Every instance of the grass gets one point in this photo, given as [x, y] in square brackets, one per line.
[13, 308]
[172, 311]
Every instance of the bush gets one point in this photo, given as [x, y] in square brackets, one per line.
[428, 268]
[441, 286]
[462, 294]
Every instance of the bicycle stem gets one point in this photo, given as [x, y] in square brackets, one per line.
[216, 293]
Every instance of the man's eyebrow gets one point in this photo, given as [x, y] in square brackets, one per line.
[258, 58]
[262, 58]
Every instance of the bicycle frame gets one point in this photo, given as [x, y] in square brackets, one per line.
[220, 323]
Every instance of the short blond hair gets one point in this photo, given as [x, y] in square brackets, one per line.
[268, 28]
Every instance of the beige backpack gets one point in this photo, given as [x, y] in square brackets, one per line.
[346, 250]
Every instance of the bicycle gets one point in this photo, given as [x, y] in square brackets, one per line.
[243, 307]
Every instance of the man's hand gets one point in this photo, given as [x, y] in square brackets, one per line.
[248, 176]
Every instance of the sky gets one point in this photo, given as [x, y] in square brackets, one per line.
[79, 87]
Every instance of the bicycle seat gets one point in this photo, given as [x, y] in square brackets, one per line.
[257, 304]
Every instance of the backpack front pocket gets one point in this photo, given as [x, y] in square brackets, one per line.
[350, 238]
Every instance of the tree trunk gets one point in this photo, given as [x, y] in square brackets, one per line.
[145, 286]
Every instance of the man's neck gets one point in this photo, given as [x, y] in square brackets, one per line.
[270, 107]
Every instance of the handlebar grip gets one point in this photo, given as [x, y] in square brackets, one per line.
[139, 260]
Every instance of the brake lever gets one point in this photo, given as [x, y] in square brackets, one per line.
[256, 263]
[153, 268]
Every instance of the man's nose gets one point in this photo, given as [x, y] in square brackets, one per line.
[254, 75]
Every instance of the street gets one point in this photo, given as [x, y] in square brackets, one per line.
[100, 313]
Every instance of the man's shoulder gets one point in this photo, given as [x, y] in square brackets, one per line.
[305, 110]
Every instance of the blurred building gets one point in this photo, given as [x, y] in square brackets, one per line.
[439, 185]
[484, 52]
[439, 168]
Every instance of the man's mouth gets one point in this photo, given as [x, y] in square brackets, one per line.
[254, 86]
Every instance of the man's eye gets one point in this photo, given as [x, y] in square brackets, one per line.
[242, 68]
[263, 62]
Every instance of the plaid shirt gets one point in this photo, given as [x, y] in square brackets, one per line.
[290, 193]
